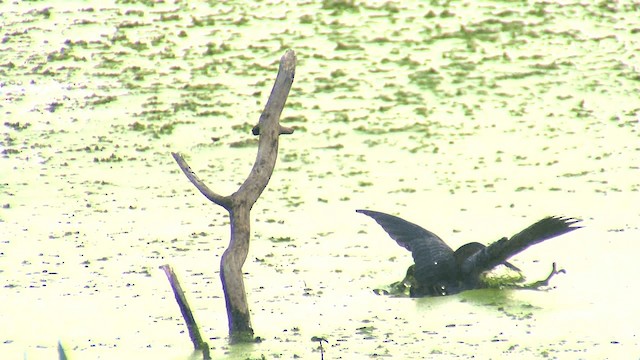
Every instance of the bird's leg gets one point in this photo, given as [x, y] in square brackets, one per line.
[545, 282]
[554, 271]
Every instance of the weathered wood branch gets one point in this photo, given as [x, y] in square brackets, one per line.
[269, 130]
[187, 315]
[223, 201]
[239, 204]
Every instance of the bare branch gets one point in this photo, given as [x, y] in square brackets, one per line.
[239, 204]
[223, 201]
[269, 129]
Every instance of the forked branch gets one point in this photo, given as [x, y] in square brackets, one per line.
[239, 204]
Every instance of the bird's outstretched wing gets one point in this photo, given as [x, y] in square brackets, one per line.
[435, 264]
[503, 249]
[405, 233]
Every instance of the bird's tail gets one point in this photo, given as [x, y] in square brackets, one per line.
[503, 249]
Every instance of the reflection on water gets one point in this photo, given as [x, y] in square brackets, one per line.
[474, 119]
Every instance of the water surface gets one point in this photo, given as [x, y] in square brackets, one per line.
[473, 119]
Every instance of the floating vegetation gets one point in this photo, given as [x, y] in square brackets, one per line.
[426, 79]
[244, 128]
[17, 126]
[289, 157]
[101, 100]
[283, 239]
[136, 126]
[244, 143]
[338, 6]
[110, 159]
[344, 46]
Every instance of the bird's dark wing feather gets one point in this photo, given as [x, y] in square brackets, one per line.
[433, 257]
[503, 249]
[468, 249]
[405, 233]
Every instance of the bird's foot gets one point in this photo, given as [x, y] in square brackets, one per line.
[543, 283]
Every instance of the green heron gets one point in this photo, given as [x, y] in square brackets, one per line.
[439, 270]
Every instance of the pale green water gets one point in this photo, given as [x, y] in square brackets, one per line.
[472, 119]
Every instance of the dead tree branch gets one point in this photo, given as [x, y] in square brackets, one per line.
[239, 204]
[187, 315]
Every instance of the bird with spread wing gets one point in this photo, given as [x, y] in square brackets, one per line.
[439, 270]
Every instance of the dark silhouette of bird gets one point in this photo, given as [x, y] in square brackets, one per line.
[439, 270]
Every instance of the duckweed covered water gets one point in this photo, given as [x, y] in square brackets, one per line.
[472, 119]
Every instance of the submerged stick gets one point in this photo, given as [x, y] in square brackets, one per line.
[187, 315]
[61, 354]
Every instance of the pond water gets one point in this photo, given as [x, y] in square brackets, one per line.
[473, 119]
